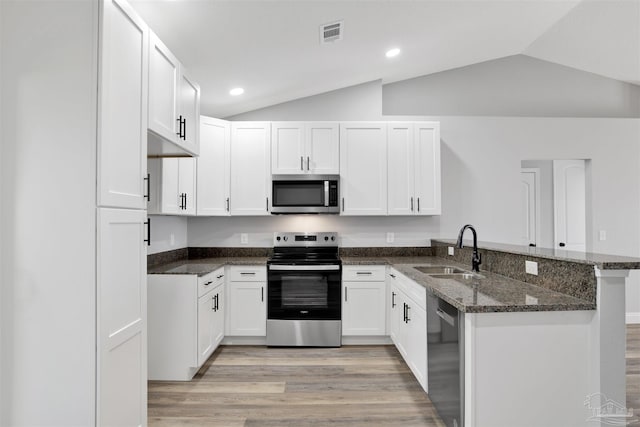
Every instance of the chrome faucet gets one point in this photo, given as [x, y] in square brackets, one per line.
[476, 259]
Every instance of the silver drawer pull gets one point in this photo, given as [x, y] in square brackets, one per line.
[273, 267]
[208, 283]
[220, 276]
[363, 272]
[250, 273]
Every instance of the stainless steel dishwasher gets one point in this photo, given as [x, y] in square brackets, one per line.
[445, 356]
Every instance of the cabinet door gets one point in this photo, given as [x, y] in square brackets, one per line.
[189, 96]
[363, 168]
[322, 148]
[416, 342]
[212, 184]
[122, 136]
[287, 148]
[122, 318]
[395, 312]
[219, 317]
[427, 168]
[164, 70]
[250, 168]
[187, 184]
[170, 201]
[363, 308]
[247, 314]
[206, 308]
[401, 169]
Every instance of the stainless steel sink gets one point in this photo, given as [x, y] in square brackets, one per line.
[439, 269]
[457, 276]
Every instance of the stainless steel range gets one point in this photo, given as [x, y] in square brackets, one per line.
[304, 291]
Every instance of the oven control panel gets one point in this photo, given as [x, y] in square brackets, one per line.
[305, 239]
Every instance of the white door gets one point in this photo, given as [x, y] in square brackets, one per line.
[322, 148]
[205, 326]
[395, 310]
[569, 192]
[219, 317]
[250, 168]
[187, 184]
[190, 113]
[363, 168]
[427, 168]
[212, 182]
[122, 137]
[247, 312]
[122, 318]
[164, 70]
[287, 148]
[530, 184]
[416, 326]
[363, 308]
[400, 161]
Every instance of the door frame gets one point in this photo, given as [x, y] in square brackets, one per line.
[536, 173]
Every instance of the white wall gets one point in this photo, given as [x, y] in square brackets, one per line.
[513, 86]
[167, 233]
[48, 227]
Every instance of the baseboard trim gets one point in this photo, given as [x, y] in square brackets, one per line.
[366, 340]
[633, 318]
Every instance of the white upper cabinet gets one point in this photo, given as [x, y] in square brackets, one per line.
[299, 148]
[363, 168]
[414, 168]
[122, 118]
[172, 188]
[250, 168]
[174, 104]
[213, 167]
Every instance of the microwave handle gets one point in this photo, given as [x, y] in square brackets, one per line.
[326, 193]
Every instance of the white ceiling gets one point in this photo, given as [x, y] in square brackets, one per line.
[272, 48]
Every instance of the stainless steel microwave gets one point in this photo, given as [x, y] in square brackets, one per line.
[308, 194]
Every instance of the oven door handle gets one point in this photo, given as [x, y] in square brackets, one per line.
[273, 267]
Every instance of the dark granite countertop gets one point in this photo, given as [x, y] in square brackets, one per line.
[203, 266]
[489, 293]
[602, 261]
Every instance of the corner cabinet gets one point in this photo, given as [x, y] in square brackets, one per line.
[172, 186]
[363, 300]
[363, 168]
[174, 103]
[213, 168]
[414, 168]
[186, 322]
[250, 168]
[305, 147]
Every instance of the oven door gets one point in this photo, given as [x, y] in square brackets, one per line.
[304, 292]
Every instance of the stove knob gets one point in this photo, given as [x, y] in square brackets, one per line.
[278, 238]
[333, 238]
[285, 238]
[326, 238]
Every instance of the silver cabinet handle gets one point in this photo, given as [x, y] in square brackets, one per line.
[227, 204]
[343, 204]
[345, 293]
[412, 204]
[301, 163]
[418, 204]
[262, 293]
[446, 317]
[267, 204]
[307, 162]
[275, 267]
[392, 275]
[248, 273]
[393, 299]
[220, 276]
[148, 195]
[208, 283]
[408, 318]
[363, 272]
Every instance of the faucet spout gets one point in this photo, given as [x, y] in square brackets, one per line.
[476, 258]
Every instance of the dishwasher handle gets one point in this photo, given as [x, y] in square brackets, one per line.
[446, 317]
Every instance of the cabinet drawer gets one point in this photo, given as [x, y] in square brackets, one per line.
[253, 273]
[412, 290]
[363, 273]
[210, 281]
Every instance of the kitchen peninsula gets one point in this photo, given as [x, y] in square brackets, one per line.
[547, 343]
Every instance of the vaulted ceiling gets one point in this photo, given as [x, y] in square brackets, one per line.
[272, 48]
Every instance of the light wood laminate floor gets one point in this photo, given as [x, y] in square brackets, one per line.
[350, 386]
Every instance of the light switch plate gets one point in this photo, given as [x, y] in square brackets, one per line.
[244, 238]
[531, 267]
[450, 250]
[529, 300]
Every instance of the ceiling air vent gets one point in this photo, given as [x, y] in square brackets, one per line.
[331, 32]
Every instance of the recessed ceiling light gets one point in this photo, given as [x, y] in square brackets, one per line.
[236, 91]
[393, 52]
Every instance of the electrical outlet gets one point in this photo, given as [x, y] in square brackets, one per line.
[172, 239]
[603, 235]
[390, 237]
[244, 238]
[529, 300]
[450, 250]
[531, 267]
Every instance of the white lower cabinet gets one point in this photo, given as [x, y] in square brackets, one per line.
[408, 323]
[247, 301]
[185, 322]
[363, 301]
